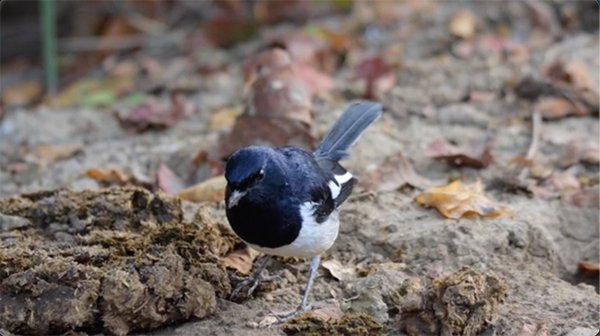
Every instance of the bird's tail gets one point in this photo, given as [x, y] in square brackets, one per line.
[347, 129]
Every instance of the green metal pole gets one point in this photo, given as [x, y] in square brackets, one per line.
[49, 51]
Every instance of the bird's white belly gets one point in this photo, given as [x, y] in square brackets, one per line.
[313, 239]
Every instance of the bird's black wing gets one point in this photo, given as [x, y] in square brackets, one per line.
[309, 182]
[339, 176]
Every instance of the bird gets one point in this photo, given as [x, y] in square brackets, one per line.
[284, 201]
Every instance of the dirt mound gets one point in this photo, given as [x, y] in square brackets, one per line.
[113, 260]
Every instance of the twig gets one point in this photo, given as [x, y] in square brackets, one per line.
[47, 12]
[536, 121]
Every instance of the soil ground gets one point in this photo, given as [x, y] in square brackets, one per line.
[521, 270]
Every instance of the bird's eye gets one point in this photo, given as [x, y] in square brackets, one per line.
[254, 179]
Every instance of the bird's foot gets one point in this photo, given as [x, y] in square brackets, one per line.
[253, 282]
[286, 316]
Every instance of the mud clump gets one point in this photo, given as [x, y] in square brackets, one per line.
[114, 260]
[462, 303]
[348, 324]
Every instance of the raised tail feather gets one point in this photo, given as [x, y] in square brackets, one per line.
[347, 129]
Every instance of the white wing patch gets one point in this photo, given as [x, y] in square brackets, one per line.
[336, 186]
[313, 239]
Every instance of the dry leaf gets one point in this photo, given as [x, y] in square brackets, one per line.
[168, 182]
[261, 130]
[280, 94]
[211, 190]
[457, 200]
[239, 260]
[152, 113]
[338, 271]
[533, 330]
[462, 24]
[224, 118]
[394, 172]
[572, 72]
[379, 75]
[53, 153]
[588, 268]
[330, 313]
[22, 94]
[109, 176]
[479, 157]
[555, 108]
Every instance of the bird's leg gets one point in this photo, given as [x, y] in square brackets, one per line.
[254, 279]
[304, 306]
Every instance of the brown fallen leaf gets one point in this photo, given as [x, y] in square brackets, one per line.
[533, 330]
[240, 260]
[224, 118]
[479, 157]
[261, 130]
[329, 313]
[556, 108]
[457, 200]
[168, 182]
[109, 176]
[572, 72]
[22, 94]
[588, 268]
[151, 113]
[53, 153]
[462, 24]
[340, 272]
[394, 172]
[280, 94]
[211, 190]
[379, 75]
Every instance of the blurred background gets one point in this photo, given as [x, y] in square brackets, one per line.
[487, 156]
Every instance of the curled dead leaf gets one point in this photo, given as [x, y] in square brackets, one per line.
[53, 153]
[394, 172]
[457, 200]
[22, 94]
[330, 313]
[224, 118]
[556, 108]
[114, 176]
[151, 113]
[211, 190]
[168, 182]
[240, 260]
[572, 72]
[339, 271]
[479, 157]
[533, 330]
[260, 130]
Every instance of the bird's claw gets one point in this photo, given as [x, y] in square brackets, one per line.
[284, 317]
[252, 281]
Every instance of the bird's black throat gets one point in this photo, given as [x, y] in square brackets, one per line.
[266, 224]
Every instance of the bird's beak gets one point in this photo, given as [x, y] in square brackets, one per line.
[234, 199]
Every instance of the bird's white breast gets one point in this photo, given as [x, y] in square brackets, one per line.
[313, 239]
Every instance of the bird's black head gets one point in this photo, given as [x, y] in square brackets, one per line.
[248, 172]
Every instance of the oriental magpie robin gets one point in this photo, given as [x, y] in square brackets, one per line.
[284, 201]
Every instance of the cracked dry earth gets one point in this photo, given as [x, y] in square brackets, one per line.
[121, 260]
